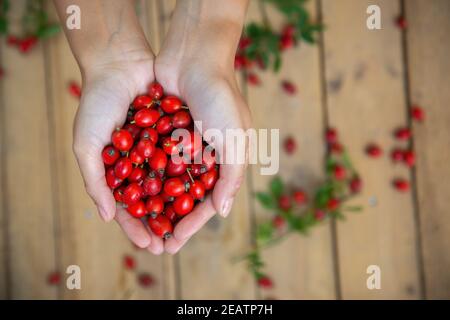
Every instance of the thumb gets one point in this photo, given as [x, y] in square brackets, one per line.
[231, 177]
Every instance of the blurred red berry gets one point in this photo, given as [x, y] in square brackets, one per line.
[401, 184]
[145, 280]
[253, 79]
[355, 185]
[403, 134]
[373, 150]
[129, 262]
[300, 197]
[265, 282]
[339, 172]
[54, 278]
[401, 22]
[288, 87]
[333, 204]
[288, 31]
[12, 40]
[25, 45]
[286, 42]
[417, 113]
[2, 72]
[289, 145]
[409, 158]
[284, 202]
[397, 155]
[260, 63]
[239, 62]
[336, 148]
[278, 222]
[244, 43]
[331, 135]
[74, 89]
[319, 215]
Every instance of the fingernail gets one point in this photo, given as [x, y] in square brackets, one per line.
[226, 208]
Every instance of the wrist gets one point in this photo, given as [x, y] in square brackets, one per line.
[206, 31]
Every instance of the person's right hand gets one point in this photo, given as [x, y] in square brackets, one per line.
[108, 90]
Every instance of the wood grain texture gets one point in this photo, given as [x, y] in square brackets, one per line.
[98, 248]
[4, 287]
[429, 72]
[366, 101]
[165, 264]
[206, 260]
[27, 176]
[302, 267]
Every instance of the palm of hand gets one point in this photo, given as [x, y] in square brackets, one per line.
[214, 100]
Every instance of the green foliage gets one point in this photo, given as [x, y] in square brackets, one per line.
[265, 42]
[34, 21]
[266, 200]
[4, 8]
[301, 219]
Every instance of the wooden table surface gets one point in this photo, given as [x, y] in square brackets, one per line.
[356, 80]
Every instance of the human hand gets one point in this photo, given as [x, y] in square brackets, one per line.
[204, 77]
[108, 90]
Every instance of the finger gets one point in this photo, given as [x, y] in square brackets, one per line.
[156, 245]
[133, 228]
[173, 245]
[93, 172]
[193, 222]
[230, 180]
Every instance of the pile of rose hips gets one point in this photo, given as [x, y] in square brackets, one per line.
[141, 167]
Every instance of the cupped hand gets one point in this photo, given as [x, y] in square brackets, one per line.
[108, 90]
[212, 95]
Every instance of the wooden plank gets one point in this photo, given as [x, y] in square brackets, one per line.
[366, 101]
[3, 206]
[98, 248]
[205, 261]
[162, 266]
[302, 267]
[152, 26]
[27, 176]
[429, 71]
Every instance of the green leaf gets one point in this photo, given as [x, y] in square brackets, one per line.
[264, 232]
[48, 31]
[338, 215]
[5, 6]
[266, 200]
[276, 187]
[3, 26]
[277, 63]
[308, 37]
[323, 194]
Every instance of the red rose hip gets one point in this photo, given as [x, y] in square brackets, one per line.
[174, 187]
[161, 226]
[171, 104]
[111, 179]
[122, 139]
[183, 204]
[132, 194]
[110, 155]
[137, 210]
[155, 91]
[123, 168]
[146, 117]
[154, 206]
